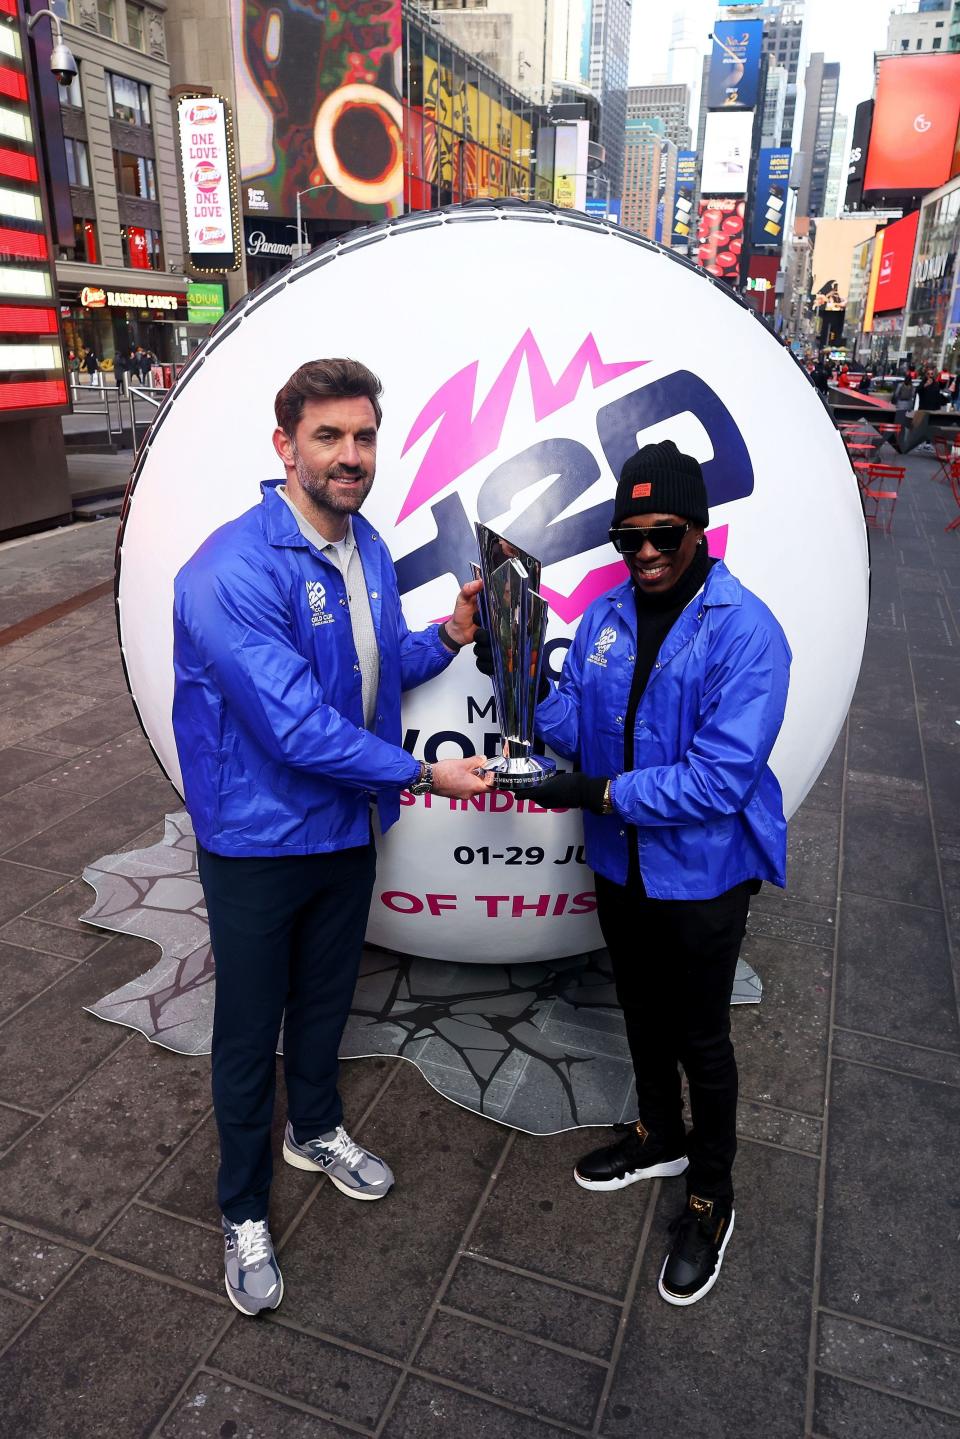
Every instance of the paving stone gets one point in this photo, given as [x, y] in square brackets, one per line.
[101, 826]
[26, 721]
[943, 769]
[937, 680]
[874, 1203]
[781, 1043]
[19, 766]
[424, 1410]
[736, 1364]
[827, 789]
[778, 1126]
[106, 1356]
[778, 914]
[442, 1157]
[23, 973]
[917, 1371]
[31, 1265]
[886, 851]
[65, 905]
[883, 745]
[52, 939]
[301, 1367]
[534, 1306]
[28, 811]
[13, 1314]
[169, 1247]
[45, 1050]
[849, 1411]
[536, 1217]
[214, 1409]
[96, 726]
[99, 771]
[553, 1385]
[885, 686]
[13, 1123]
[20, 682]
[876, 1049]
[59, 749]
[139, 1105]
[812, 854]
[894, 973]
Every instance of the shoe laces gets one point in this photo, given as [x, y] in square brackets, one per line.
[253, 1241]
[344, 1148]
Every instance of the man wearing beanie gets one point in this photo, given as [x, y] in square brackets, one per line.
[670, 701]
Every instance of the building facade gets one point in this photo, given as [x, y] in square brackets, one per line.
[821, 84]
[932, 315]
[836, 169]
[609, 53]
[774, 105]
[649, 179]
[912, 31]
[121, 281]
[669, 103]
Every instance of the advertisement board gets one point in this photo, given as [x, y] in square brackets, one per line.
[209, 184]
[318, 108]
[734, 80]
[726, 152]
[605, 210]
[833, 247]
[204, 303]
[893, 279]
[31, 358]
[859, 144]
[914, 123]
[686, 187]
[770, 198]
[720, 237]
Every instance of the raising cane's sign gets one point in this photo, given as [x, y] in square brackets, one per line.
[209, 184]
[518, 411]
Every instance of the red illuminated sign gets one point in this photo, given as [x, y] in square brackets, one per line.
[914, 123]
[32, 394]
[893, 279]
[16, 166]
[25, 320]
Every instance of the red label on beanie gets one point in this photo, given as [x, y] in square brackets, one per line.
[642, 492]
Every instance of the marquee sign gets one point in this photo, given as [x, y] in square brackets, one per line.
[94, 298]
[208, 166]
[521, 418]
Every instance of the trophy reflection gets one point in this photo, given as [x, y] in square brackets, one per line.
[515, 616]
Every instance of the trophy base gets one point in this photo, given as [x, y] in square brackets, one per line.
[518, 773]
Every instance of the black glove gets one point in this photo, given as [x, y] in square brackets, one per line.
[566, 790]
[483, 654]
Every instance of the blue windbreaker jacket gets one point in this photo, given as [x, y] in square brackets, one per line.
[708, 809]
[267, 705]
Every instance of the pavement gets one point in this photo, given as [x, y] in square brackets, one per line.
[488, 1295]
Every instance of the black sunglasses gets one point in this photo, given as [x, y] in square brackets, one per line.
[666, 539]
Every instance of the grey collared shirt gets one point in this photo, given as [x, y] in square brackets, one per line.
[345, 555]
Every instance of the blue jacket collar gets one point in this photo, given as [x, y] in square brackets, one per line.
[720, 588]
[281, 528]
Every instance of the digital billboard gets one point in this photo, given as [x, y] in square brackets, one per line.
[209, 187]
[734, 80]
[686, 186]
[857, 164]
[31, 358]
[893, 278]
[720, 237]
[726, 152]
[914, 127]
[770, 198]
[318, 108]
[833, 251]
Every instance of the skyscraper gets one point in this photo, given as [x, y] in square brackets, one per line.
[669, 103]
[609, 52]
[821, 82]
[836, 170]
[649, 176]
[783, 41]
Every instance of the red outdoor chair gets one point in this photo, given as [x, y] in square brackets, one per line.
[943, 452]
[954, 478]
[880, 490]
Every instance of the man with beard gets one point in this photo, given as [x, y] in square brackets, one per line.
[290, 656]
[671, 698]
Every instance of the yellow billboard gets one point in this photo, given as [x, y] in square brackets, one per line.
[468, 142]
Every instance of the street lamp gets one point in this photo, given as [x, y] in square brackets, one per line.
[302, 245]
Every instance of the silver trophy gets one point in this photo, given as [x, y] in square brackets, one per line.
[515, 615]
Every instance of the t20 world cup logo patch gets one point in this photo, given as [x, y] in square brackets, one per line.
[601, 644]
[317, 600]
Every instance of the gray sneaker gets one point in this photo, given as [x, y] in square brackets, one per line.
[352, 1169]
[251, 1273]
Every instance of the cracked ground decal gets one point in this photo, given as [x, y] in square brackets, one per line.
[538, 1046]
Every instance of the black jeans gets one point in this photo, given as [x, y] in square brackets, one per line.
[287, 935]
[674, 963]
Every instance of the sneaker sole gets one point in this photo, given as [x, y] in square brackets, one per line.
[251, 1313]
[298, 1161]
[682, 1300]
[667, 1170]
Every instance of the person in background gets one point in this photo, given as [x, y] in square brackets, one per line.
[903, 399]
[92, 366]
[120, 369]
[930, 394]
[671, 697]
[865, 383]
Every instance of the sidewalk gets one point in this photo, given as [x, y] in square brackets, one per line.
[489, 1296]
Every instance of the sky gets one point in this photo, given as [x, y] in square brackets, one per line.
[847, 31]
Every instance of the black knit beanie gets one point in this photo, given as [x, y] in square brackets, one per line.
[660, 480]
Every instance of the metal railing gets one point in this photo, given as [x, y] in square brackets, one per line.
[116, 408]
[153, 395]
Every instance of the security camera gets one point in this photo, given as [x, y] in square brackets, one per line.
[63, 64]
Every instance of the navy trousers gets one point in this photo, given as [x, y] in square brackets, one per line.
[287, 934]
[674, 963]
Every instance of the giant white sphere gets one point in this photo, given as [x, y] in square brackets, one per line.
[524, 352]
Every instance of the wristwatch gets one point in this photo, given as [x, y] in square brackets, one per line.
[606, 806]
[423, 785]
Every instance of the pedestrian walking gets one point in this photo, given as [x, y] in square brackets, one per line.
[92, 366]
[903, 402]
[671, 697]
[290, 656]
[120, 370]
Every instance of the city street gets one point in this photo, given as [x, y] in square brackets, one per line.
[488, 1295]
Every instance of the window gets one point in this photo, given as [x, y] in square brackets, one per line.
[61, 8]
[936, 42]
[70, 94]
[128, 100]
[919, 44]
[904, 44]
[78, 162]
[106, 22]
[136, 29]
[85, 241]
[135, 175]
[142, 249]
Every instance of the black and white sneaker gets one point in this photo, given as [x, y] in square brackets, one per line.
[701, 1235]
[635, 1155]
